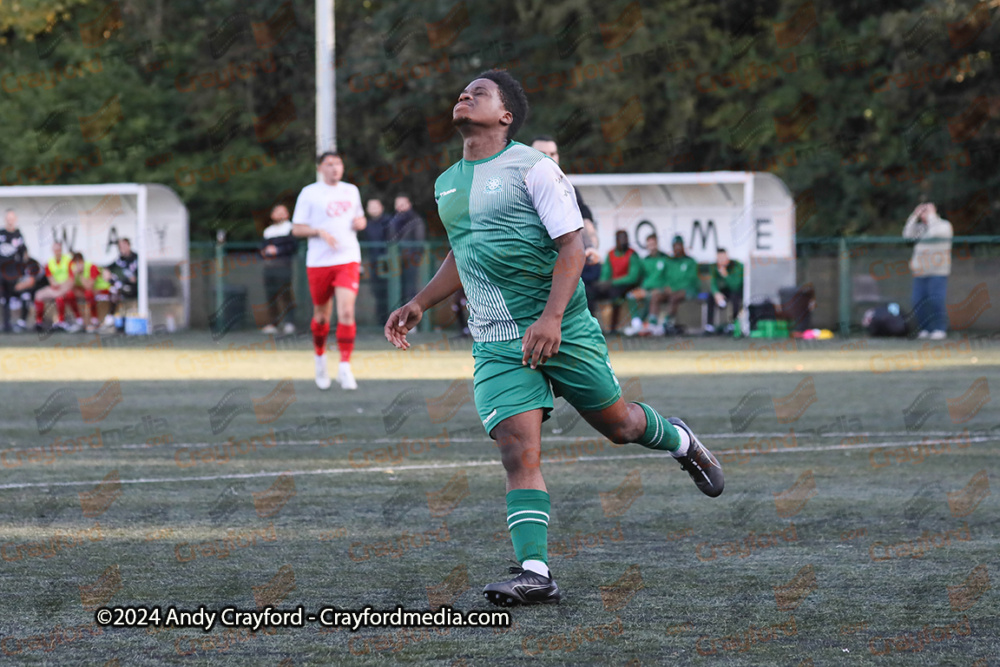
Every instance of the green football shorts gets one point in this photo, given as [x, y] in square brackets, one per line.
[580, 372]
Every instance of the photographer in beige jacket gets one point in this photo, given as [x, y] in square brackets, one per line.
[930, 266]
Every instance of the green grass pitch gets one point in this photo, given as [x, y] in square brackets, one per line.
[858, 525]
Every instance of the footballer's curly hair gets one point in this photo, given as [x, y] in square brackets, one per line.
[511, 95]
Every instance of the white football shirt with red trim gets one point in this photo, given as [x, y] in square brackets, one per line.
[333, 208]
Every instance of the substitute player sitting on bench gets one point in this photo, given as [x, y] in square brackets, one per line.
[620, 274]
[651, 293]
[123, 274]
[726, 286]
[60, 286]
[682, 283]
[88, 281]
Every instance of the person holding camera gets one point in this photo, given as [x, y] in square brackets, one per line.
[930, 266]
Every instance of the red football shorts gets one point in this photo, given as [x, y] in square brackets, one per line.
[322, 280]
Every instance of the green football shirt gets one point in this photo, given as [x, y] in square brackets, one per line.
[682, 274]
[654, 271]
[501, 215]
[733, 279]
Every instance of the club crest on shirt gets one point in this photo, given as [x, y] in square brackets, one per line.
[493, 185]
[337, 208]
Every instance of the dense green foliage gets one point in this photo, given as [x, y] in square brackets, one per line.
[840, 100]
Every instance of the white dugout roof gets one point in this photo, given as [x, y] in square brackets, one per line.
[91, 218]
[750, 214]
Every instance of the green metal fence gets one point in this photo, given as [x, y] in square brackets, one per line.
[849, 275]
[230, 275]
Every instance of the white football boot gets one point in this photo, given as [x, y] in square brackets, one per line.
[322, 377]
[346, 377]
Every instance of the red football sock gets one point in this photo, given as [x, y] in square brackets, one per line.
[346, 334]
[74, 306]
[39, 311]
[320, 332]
[61, 309]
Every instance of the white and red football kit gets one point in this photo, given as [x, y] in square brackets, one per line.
[332, 208]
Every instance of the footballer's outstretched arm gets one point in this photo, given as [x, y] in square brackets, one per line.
[444, 283]
[308, 231]
[304, 231]
[541, 339]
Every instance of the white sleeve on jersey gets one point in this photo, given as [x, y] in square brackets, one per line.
[303, 211]
[554, 198]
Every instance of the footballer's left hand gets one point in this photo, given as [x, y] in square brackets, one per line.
[541, 340]
[401, 321]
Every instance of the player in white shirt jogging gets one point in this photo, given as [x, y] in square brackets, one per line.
[329, 214]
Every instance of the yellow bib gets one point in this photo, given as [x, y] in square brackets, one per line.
[59, 271]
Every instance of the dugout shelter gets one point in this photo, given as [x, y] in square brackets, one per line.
[750, 214]
[91, 218]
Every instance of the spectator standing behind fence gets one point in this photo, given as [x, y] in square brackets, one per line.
[407, 227]
[376, 233]
[591, 273]
[13, 253]
[278, 249]
[930, 266]
[620, 274]
[726, 286]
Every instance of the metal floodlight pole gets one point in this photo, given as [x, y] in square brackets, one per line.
[326, 95]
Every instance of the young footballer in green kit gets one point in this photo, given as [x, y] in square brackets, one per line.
[682, 282]
[652, 292]
[515, 232]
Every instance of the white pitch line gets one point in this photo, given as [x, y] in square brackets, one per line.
[476, 464]
[545, 438]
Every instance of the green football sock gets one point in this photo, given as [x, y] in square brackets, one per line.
[659, 433]
[528, 522]
[635, 308]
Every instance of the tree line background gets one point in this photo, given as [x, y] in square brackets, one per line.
[862, 108]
